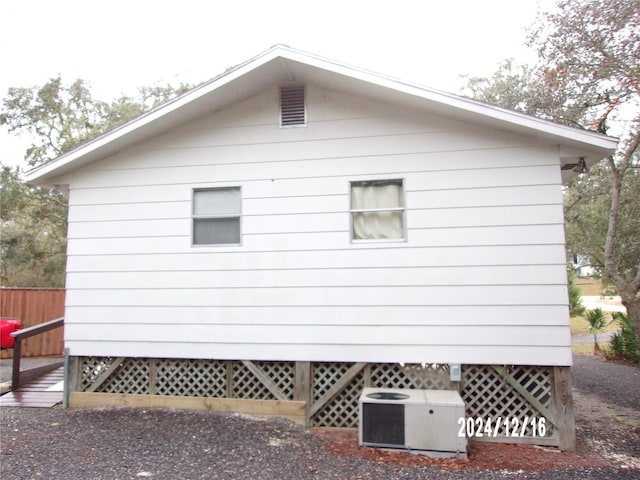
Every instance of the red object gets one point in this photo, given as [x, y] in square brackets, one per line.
[8, 326]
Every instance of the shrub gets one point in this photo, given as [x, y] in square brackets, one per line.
[625, 343]
[575, 302]
[597, 323]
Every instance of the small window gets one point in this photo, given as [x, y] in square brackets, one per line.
[292, 106]
[216, 216]
[377, 210]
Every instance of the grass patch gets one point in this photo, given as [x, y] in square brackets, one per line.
[630, 422]
[588, 348]
[589, 286]
[580, 325]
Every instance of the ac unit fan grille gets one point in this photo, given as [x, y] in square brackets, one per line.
[383, 424]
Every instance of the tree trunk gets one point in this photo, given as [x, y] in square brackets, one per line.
[632, 304]
[628, 289]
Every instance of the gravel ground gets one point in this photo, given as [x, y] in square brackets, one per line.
[168, 444]
[610, 382]
[607, 403]
[110, 444]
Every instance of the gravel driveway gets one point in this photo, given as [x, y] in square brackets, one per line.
[109, 444]
[610, 382]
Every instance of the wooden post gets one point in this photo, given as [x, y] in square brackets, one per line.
[75, 374]
[153, 375]
[229, 369]
[366, 375]
[65, 391]
[302, 388]
[15, 374]
[562, 406]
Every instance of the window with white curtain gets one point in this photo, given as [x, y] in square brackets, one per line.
[377, 210]
[216, 216]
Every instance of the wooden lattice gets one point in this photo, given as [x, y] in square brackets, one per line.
[92, 369]
[488, 394]
[488, 391]
[342, 410]
[246, 384]
[191, 378]
[434, 377]
[130, 376]
[282, 374]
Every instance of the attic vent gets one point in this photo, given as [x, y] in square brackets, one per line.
[292, 111]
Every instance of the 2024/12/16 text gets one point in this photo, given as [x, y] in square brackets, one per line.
[508, 427]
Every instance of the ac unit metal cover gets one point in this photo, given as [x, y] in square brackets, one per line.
[411, 419]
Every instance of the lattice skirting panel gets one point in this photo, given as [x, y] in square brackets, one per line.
[331, 390]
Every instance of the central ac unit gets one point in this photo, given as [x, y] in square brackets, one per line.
[426, 421]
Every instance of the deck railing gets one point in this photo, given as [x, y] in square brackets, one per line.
[16, 378]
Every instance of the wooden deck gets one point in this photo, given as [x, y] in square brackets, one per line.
[43, 392]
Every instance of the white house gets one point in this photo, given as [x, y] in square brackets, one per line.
[295, 209]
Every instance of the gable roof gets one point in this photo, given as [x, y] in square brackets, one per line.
[281, 64]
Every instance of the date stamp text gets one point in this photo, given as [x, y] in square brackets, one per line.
[502, 427]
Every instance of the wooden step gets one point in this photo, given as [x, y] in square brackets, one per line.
[37, 393]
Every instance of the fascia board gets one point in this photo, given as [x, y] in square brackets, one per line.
[135, 130]
[138, 124]
[473, 107]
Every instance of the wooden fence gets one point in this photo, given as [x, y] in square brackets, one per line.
[34, 306]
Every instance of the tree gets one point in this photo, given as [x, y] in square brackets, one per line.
[61, 117]
[587, 209]
[33, 240]
[58, 118]
[589, 76]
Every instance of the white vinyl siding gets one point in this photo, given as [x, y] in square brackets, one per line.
[479, 278]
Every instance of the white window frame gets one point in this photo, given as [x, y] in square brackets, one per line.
[195, 217]
[402, 208]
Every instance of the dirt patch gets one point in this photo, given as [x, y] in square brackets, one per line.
[607, 430]
[607, 435]
[482, 456]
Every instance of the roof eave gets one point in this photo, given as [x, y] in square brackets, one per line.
[163, 117]
[95, 147]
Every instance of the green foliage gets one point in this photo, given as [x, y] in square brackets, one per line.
[61, 117]
[597, 324]
[523, 88]
[597, 320]
[125, 108]
[58, 118]
[588, 75]
[625, 343]
[589, 53]
[33, 240]
[587, 213]
[575, 302]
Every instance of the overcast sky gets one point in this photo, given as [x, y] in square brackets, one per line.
[118, 45]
